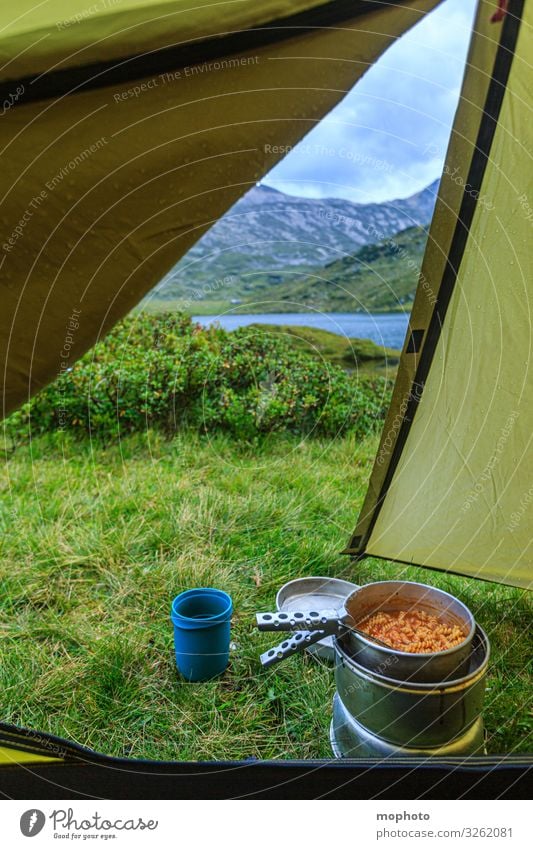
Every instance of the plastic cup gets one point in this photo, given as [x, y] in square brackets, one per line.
[201, 619]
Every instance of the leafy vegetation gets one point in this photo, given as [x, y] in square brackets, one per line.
[167, 373]
[97, 541]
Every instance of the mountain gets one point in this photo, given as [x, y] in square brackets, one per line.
[377, 278]
[270, 241]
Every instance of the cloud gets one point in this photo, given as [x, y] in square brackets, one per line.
[388, 137]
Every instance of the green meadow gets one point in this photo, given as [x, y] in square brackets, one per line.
[97, 539]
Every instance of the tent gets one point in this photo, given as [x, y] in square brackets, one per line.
[453, 473]
[128, 129]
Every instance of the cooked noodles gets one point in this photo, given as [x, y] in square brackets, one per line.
[412, 631]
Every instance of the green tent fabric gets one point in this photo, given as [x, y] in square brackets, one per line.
[452, 482]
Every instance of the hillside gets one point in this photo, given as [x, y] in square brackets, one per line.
[376, 278]
[275, 247]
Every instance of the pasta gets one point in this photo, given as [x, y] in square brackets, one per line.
[412, 631]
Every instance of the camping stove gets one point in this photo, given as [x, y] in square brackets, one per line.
[376, 715]
[350, 739]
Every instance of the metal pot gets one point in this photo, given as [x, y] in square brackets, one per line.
[350, 739]
[412, 714]
[392, 596]
[387, 596]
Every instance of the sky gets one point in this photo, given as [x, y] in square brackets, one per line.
[388, 137]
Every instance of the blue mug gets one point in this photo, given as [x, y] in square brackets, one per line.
[201, 619]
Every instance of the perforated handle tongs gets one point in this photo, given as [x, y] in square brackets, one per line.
[310, 628]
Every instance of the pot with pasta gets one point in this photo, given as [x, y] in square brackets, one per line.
[420, 632]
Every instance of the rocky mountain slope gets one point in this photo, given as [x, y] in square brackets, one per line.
[377, 278]
[270, 240]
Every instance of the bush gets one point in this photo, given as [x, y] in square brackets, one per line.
[164, 372]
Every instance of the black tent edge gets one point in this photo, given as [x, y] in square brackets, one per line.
[357, 547]
[84, 774]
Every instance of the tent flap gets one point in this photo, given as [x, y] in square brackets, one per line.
[451, 486]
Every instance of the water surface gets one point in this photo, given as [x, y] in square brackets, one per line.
[387, 329]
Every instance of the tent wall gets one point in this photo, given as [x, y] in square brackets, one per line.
[105, 188]
[45, 38]
[451, 486]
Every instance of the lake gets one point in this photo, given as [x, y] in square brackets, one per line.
[387, 329]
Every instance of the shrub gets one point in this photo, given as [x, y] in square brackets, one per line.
[164, 372]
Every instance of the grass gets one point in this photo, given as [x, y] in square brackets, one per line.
[264, 306]
[156, 306]
[95, 543]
